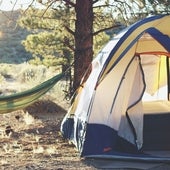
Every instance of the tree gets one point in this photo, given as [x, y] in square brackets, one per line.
[48, 41]
[47, 36]
[78, 38]
[86, 15]
[83, 39]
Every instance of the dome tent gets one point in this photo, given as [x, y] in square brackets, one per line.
[122, 110]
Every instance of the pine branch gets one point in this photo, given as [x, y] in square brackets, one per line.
[69, 30]
[105, 29]
[66, 42]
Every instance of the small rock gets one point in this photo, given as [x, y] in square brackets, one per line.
[8, 130]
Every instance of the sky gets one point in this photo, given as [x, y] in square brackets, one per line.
[8, 5]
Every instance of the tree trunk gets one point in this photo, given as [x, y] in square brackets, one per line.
[83, 39]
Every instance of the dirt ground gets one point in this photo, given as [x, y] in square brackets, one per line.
[30, 139]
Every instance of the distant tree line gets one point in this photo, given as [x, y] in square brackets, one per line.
[11, 35]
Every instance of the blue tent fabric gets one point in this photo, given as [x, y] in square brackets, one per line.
[160, 37]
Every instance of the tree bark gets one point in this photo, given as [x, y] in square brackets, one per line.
[83, 39]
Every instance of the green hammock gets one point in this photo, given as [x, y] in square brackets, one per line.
[22, 99]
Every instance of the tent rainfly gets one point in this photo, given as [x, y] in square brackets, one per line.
[122, 110]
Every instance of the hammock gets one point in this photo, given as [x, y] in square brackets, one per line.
[23, 99]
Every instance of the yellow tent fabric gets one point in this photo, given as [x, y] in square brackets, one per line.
[147, 43]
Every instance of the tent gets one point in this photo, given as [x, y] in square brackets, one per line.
[122, 110]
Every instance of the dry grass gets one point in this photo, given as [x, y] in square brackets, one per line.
[30, 138]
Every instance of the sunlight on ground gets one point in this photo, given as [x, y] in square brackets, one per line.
[28, 119]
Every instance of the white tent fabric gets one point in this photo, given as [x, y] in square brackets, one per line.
[155, 71]
[132, 90]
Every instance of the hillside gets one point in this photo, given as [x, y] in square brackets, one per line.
[11, 35]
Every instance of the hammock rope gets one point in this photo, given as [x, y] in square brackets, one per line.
[23, 99]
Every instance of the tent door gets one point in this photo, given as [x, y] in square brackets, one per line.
[131, 123]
